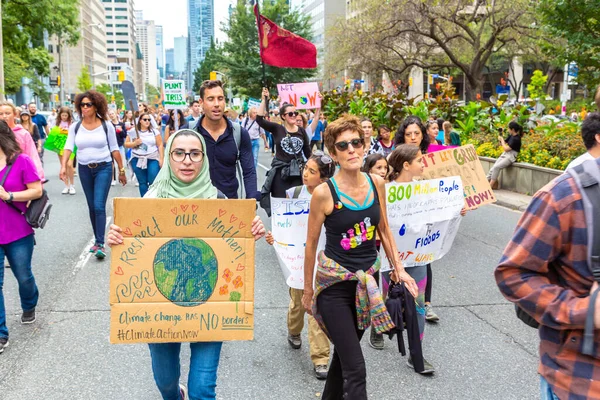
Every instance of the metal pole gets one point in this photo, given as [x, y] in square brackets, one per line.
[565, 89]
[1, 58]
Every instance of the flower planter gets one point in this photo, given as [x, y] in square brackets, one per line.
[522, 177]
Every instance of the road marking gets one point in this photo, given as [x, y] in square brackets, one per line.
[263, 167]
[85, 255]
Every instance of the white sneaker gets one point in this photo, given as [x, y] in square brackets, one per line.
[72, 190]
[183, 392]
[113, 183]
[65, 191]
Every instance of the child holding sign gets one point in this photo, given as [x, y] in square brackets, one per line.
[317, 170]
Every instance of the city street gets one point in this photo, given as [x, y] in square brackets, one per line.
[479, 348]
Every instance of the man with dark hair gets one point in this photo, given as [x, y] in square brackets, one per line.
[195, 115]
[590, 132]
[221, 147]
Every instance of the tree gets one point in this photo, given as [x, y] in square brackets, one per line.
[24, 26]
[108, 92]
[152, 94]
[241, 57]
[210, 63]
[396, 35]
[84, 80]
[39, 89]
[573, 27]
[536, 87]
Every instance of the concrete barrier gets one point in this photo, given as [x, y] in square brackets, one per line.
[522, 177]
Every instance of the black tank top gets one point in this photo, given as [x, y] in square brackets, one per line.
[350, 230]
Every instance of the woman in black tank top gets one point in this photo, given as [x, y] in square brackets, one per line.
[351, 206]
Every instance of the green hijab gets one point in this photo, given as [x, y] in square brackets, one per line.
[168, 186]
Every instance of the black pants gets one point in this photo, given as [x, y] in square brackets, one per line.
[428, 286]
[347, 377]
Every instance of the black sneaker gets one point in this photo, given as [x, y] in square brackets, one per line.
[3, 344]
[376, 340]
[295, 341]
[428, 367]
[28, 317]
[321, 372]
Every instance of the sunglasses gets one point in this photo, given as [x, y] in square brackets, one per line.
[357, 143]
[292, 114]
[87, 105]
[146, 119]
[325, 159]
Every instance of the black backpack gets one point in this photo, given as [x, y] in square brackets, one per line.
[38, 210]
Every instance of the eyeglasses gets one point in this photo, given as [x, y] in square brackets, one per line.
[87, 105]
[146, 119]
[292, 114]
[357, 143]
[196, 156]
[325, 159]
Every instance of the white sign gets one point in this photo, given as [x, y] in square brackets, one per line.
[289, 226]
[174, 94]
[424, 218]
[237, 102]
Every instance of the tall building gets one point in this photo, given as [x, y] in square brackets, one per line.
[201, 29]
[160, 51]
[323, 15]
[146, 38]
[180, 55]
[169, 61]
[89, 53]
[120, 30]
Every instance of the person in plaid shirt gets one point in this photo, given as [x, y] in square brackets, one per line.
[544, 270]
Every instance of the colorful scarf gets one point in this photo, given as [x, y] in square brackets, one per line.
[370, 308]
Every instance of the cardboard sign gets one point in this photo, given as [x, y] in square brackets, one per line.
[184, 273]
[174, 94]
[301, 95]
[461, 161]
[424, 218]
[289, 226]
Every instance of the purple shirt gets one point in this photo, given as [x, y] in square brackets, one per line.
[14, 226]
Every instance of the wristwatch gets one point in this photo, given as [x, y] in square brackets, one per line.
[10, 197]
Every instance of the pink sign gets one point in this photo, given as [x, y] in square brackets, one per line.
[301, 95]
[438, 147]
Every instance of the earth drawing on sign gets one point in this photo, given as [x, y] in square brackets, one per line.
[186, 271]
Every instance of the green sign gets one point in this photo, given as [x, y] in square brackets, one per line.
[174, 94]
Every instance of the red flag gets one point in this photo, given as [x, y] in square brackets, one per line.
[281, 48]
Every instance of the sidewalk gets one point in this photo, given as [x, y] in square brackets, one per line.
[512, 200]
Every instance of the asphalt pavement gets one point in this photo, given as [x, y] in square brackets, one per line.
[479, 348]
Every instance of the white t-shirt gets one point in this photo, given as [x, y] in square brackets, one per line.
[148, 145]
[304, 195]
[580, 160]
[93, 146]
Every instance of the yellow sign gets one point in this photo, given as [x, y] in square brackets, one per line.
[185, 272]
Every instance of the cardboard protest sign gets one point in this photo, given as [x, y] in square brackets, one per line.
[424, 218]
[289, 226]
[301, 95]
[174, 94]
[185, 272]
[461, 161]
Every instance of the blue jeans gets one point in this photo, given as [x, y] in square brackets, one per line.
[19, 255]
[96, 184]
[546, 390]
[202, 380]
[270, 141]
[145, 176]
[256, 144]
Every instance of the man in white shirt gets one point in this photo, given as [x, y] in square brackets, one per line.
[591, 138]
[256, 133]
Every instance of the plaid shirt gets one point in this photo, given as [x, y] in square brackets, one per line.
[544, 270]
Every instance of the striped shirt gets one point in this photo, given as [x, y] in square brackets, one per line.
[544, 270]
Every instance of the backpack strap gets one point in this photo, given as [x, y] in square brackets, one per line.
[297, 191]
[237, 138]
[77, 126]
[590, 191]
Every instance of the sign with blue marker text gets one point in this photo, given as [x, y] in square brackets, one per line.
[184, 273]
[424, 218]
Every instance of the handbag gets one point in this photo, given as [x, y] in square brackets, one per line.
[38, 210]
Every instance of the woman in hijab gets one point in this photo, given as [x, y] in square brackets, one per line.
[185, 175]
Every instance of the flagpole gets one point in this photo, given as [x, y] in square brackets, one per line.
[264, 77]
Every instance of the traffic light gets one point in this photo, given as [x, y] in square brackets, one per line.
[121, 76]
[56, 98]
[58, 80]
[430, 78]
[410, 81]
[213, 75]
